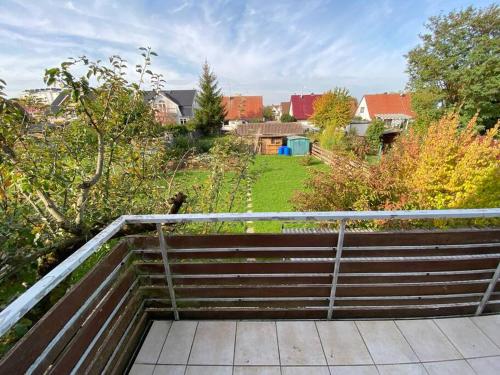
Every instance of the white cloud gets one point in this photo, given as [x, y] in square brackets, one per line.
[272, 48]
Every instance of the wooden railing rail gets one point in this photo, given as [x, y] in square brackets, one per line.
[341, 275]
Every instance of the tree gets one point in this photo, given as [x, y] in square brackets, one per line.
[77, 177]
[456, 66]
[286, 117]
[333, 109]
[268, 113]
[373, 134]
[210, 114]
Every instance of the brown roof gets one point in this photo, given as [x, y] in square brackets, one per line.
[242, 107]
[285, 107]
[381, 104]
[270, 129]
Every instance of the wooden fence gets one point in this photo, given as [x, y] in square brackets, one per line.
[338, 162]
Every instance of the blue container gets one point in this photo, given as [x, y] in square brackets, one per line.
[287, 151]
[281, 150]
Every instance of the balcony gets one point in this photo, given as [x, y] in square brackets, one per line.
[313, 298]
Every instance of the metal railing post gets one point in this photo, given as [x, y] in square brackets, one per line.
[489, 290]
[163, 249]
[338, 255]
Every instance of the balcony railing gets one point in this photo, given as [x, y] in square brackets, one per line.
[323, 276]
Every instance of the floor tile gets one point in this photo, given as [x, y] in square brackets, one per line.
[486, 365]
[169, 370]
[299, 344]
[467, 338]
[209, 370]
[306, 370]
[353, 370]
[213, 343]
[178, 344]
[385, 343]
[402, 369]
[256, 344]
[490, 325]
[449, 368]
[343, 344]
[257, 370]
[151, 348]
[140, 369]
[427, 340]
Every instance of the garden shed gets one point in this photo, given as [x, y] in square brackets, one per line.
[298, 145]
[268, 137]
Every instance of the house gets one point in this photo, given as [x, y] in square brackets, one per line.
[280, 109]
[172, 106]
[394, 109]
[301, 106]
[243, 107]
[269, 136]
[43, 96]
[284, 107]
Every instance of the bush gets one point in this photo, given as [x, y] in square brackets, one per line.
[373, 134]
[442, 169]
[285, 117]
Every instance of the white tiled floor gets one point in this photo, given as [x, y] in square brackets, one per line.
[457, 346]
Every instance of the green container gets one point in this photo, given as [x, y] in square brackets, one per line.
[298, 145]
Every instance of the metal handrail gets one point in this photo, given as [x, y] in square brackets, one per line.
[17, 309]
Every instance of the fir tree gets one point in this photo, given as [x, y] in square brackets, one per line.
[210, 114]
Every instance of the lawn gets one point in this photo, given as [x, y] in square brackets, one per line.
[276, 180]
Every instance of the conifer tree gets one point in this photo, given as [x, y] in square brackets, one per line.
[210, 114]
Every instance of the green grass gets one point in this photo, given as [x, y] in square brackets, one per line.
[277, 178]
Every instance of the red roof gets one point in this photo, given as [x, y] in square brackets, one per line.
[242, 107]
[302, 106]
[384, 104]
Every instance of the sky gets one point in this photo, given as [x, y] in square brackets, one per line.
[273, 48]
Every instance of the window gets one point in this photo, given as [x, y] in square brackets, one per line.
[275, 141]
[362, 110]
[183, 120]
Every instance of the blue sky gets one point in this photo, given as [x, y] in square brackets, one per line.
[272, 48]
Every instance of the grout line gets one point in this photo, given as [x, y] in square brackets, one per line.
[191, 348]
[234, 348]
[366, 346]
[411, 347]
[484, 332]
[473, 369]
[450, 340]
[322, 348]
[278, 343]
[447, 339]
[164, 341]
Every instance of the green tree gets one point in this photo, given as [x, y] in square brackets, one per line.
[268, 113]
[77, 177]
[373, 134]
[457, 66]
[286, 117]
[333, 109]
[210, 114]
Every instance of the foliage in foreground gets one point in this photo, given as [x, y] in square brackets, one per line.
[445, 168]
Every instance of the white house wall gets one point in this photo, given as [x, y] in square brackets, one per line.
[363, 113]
